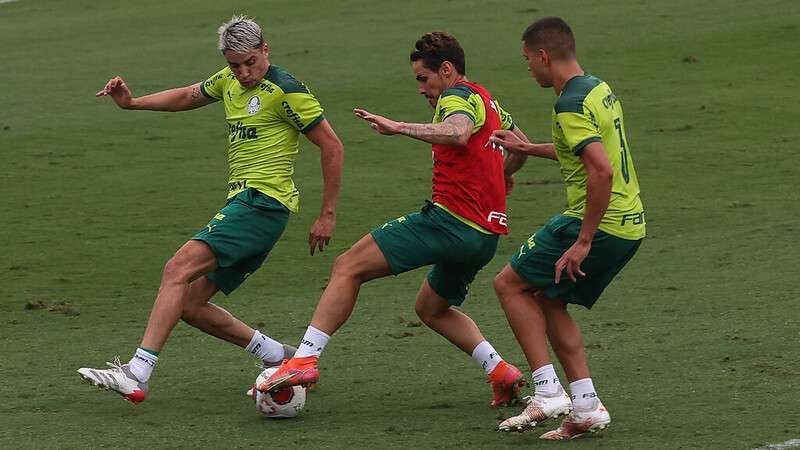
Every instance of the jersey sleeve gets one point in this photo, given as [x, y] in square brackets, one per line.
[580, 129]
[213, 87]
[505, 118]
[456, 100]
[302, 110]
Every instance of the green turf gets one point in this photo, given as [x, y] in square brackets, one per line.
[693, 346]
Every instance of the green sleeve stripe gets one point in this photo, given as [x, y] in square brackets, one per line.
[575, 92]
[459, 91]
[511, 128]
[203, 90]
[570, 104]
[578, 149]
[285, 80]
[313, 124]
[460, 111]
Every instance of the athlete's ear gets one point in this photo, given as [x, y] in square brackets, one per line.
[265, 49]
[544, 56]
[446, 69]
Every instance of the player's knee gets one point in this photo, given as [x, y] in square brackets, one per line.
[344, 266]
[174, 272]
[501, 285]
[427, 312]
[424, 313]
[421, 311]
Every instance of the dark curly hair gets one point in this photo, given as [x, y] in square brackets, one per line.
[436, 47]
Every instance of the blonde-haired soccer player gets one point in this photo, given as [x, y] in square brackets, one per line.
[266, 109]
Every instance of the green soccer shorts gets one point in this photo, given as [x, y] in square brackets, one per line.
[433, 236]
[241, 236]
[536, 258]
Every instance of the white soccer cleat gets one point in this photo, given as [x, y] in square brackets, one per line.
[581, 423]
[539, 409]
[118, 379]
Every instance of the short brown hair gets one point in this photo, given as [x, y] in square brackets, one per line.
[435, 48]
[551, 34]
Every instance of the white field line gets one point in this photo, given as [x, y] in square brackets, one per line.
[791, 443]
[7, 1]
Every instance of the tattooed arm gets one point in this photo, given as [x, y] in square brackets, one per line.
[455, 130]
[178, 99]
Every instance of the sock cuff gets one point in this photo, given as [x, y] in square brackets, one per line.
[255, 340]
[312, 329]
[543, 370]
[146, 354]
[481, 346]
[151, 352]
[583, 382]
[312, 344]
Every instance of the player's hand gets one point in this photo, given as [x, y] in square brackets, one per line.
[571, 261]
[509, 184]
[321, 232]
[505, 139]
[118, 91]
[378, 123]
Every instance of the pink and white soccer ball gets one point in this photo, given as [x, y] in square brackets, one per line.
[281, 404]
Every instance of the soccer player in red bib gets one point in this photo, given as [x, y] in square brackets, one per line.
[456, 232]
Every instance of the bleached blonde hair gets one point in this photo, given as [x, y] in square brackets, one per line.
[239, 35]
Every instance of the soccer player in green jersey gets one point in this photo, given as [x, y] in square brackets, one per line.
[266, 109]
[577, 253]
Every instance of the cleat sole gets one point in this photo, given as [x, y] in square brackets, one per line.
[134, 397]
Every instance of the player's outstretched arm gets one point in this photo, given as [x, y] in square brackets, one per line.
[178, 99]
[332, 157]
[513, 160]
[454, 130]
[513, 143]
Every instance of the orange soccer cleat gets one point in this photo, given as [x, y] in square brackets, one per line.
[293, 372]
[506, 381]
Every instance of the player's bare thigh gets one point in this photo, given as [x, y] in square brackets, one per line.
[364, 261]
[192, 260]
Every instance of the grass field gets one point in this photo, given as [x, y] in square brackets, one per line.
[693, 346]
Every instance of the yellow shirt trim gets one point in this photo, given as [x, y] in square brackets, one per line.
[467, 222]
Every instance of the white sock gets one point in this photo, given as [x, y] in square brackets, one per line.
[142, 364]
[583, 393]
[485, 355]
[313, 343]
[265, 348]
[545, 380]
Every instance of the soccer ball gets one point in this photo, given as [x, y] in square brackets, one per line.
[281, 404]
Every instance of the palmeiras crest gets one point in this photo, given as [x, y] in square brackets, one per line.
[253, 105]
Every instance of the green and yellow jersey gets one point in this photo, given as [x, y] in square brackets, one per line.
[588, 111]
[462, 100]
[264, 124]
